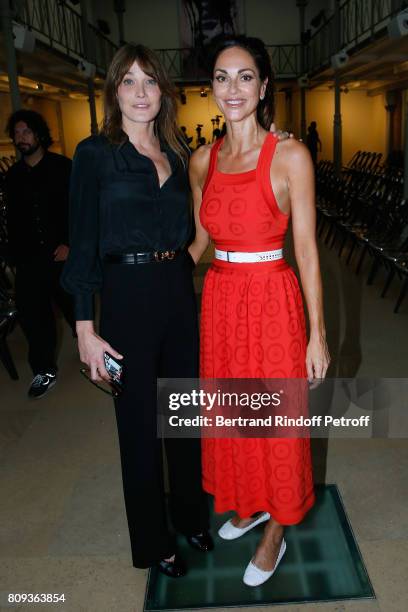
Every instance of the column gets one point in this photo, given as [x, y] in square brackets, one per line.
[337, 123]
[89, 81]
[303, 113]
[288, 110]
[120, 8]
[396, 6]
[301, 4]
[337, 126]
[10, 53]
[406, 149]
[390, 106]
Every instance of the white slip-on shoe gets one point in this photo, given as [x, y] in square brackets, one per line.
[229, 532]
[254, 576]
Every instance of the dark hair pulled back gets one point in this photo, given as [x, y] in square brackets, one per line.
[256, 48]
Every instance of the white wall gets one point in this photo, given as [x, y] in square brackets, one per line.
[363, 121]
[77, 122]
[154, 23]
[105, 10]
[6, 147]
[201, 110]
[272, 21]
[314, 7]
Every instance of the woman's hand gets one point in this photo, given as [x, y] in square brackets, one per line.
[281, 135]
[195, 251]
[317, 359]
[198, 169]
[91, 349]
[61, 253]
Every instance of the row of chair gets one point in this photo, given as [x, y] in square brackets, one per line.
[364, 209]
[5, 163]
[8, 311]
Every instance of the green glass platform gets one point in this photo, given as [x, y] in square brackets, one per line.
[322, 563]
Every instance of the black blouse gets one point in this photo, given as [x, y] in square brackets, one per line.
[117, 206]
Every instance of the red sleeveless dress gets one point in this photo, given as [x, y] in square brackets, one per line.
[252, 326]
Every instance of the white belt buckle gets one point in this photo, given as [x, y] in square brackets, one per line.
[251, 257]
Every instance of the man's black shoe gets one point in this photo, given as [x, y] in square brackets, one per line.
[173, 569]
[202, 541]
[41, 384]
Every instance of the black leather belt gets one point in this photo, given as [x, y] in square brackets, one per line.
[140, 258]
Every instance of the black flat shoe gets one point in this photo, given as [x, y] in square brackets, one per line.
[173, 569]
[202, 541]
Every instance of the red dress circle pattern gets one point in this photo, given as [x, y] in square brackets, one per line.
[252, 326]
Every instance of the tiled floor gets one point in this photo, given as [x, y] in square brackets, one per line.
[62, 521]
[321, 563]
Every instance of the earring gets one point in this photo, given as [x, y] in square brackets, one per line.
[261, 97]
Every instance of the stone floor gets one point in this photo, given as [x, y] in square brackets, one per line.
[62, 520]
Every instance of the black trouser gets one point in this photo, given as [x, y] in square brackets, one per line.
[313, 153]
[37, 287]
[148, 314]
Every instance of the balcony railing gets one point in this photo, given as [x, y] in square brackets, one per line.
[360, 21]
[190, 64]
[286, 60]
[59, 26]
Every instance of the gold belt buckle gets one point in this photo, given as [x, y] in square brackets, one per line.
[162, 255]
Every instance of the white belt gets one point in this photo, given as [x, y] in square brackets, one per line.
[236, 257]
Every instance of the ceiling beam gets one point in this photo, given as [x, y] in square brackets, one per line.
[398, 84]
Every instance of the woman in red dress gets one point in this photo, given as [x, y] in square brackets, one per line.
[246, 187]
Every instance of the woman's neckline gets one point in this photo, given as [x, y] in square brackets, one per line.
[245, 172]
[164, 150]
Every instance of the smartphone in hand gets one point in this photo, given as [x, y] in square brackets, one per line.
[115, 370]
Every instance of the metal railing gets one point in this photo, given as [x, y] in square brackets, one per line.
[360, 21]
[102, 49]
[59, 26]
[190, 64]
[181, 64]
[321, 46]
[286, 60]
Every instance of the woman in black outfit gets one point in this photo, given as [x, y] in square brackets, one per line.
[130, 221]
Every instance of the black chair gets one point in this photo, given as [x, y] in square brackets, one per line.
[364, 207]
[8, 317]
[8, 311]
[402, 271]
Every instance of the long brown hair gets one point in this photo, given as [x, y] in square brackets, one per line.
[165, 123]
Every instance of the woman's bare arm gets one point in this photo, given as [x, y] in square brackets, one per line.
[301, 186]
[198, 170]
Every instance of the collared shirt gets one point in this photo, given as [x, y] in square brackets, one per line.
[117, 206]
[37, 206]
